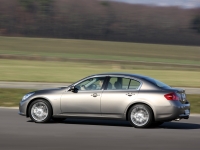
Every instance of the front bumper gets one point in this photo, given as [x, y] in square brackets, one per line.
[21, 113]
[22, 108]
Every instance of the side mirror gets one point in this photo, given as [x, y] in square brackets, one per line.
[73, 89]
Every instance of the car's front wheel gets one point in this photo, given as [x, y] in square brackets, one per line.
[40, 111]
[140, 116]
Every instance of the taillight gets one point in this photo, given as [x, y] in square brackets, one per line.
[172, 97]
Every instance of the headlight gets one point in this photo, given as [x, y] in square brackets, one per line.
[27, 96]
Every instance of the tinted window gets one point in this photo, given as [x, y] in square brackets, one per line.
[91, 84]
[119, 83]
[134, 84]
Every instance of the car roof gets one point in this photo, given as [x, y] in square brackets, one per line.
[121, 74]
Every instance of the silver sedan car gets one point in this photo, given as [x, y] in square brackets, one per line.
[141, 100]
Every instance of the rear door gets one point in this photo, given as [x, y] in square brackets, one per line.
[118, 94]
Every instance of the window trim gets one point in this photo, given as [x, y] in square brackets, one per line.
[129, 77]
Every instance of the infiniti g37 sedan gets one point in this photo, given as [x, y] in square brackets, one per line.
[141, 100]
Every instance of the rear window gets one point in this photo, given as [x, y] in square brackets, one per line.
[157, 83]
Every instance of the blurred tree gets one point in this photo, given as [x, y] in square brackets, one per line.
[110, 20]
[98, 19]
[196, 23]
[105, 3]
[29, 5]
[44, 6]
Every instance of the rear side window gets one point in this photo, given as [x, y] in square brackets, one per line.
[119, 83]
[134, 84]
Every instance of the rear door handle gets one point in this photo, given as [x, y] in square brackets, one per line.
[95, 95]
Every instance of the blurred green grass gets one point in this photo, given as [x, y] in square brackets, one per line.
[103, 50]
[12, 97]
[70, 71]
[195, 102]
[67, 72]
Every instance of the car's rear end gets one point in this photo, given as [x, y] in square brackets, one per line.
[181, 106]
[171, 103]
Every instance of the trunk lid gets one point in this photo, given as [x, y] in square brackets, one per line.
[180, 93]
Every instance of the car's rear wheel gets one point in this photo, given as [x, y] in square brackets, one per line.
[140, 116]
[40, 111]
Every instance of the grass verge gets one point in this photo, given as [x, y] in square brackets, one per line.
[103, 50]
[12, 97]
[194, 100]
[53, 71]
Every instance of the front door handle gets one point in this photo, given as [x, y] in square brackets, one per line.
[95, 95]
[130, 94]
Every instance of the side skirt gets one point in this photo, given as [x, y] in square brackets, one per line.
[95, 116]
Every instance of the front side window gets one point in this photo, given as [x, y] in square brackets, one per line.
[91, 84]
[119, 83]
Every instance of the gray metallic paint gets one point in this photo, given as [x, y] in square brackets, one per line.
[108, 103]
[81, 102]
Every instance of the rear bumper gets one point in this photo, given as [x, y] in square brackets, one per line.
[184, 116]
[177, 111]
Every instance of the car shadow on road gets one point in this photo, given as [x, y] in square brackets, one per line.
[121, 123]
[179, 125]
[98, 122]
[91, 122]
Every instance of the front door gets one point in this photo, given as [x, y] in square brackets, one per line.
[85, 99]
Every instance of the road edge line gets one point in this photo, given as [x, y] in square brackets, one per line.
[193, 115]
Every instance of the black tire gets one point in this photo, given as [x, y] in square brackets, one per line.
[142, 112]
[41, 105]
[58, 119]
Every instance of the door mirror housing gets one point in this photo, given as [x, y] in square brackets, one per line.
[73, 89]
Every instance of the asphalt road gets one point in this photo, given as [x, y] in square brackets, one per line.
[42, 85]
[19, 133]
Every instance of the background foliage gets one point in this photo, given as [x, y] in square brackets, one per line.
[94, 19]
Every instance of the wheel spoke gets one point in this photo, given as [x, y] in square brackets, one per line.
[139, 116]
[39, 111]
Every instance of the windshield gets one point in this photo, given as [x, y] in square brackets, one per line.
[157, 83]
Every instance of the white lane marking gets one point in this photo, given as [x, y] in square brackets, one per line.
[9, 107]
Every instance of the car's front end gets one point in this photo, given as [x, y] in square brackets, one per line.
[24, 103]
[50, 95]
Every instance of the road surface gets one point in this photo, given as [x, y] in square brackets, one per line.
[19, 133]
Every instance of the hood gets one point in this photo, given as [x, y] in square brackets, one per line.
[50, 90]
